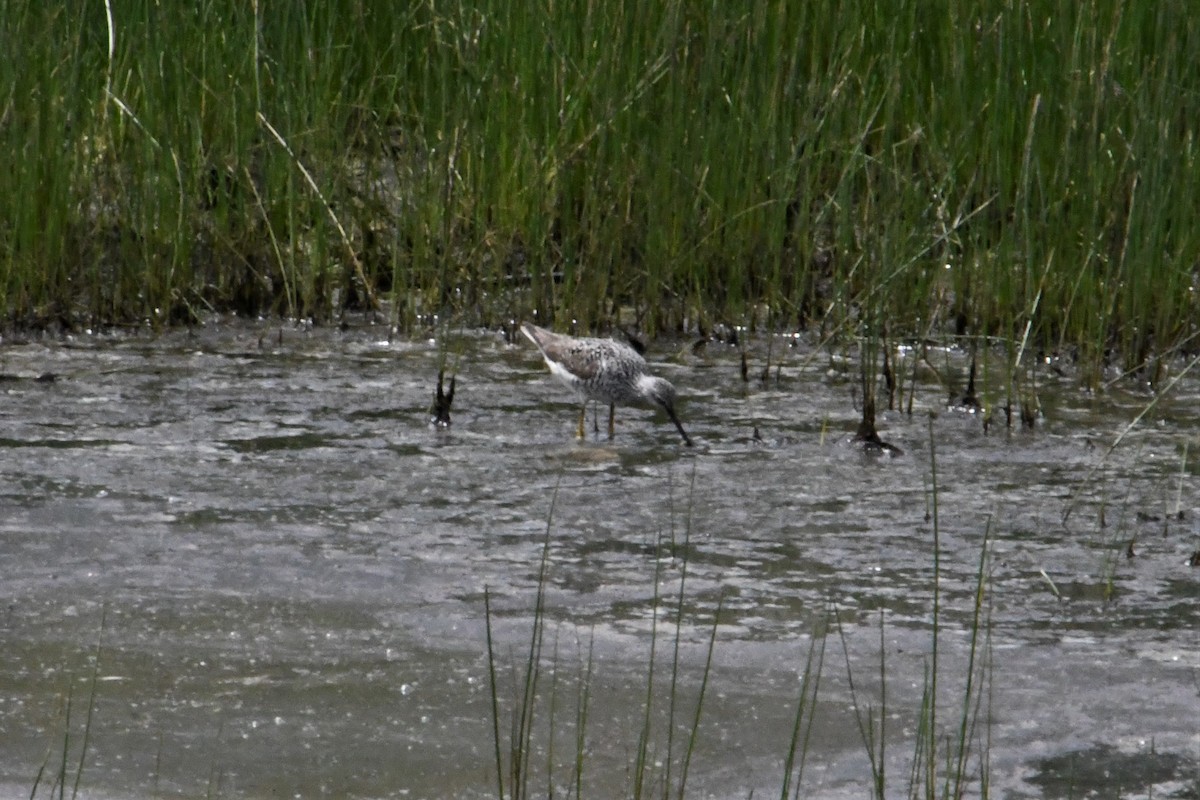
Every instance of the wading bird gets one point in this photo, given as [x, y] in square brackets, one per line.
[603, 370]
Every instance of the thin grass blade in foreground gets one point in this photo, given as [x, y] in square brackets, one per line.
[972, 697]
[61, 778]
[866, 727]
[930, 708]
[491, 654]
[802, 724]
[514, 773]
[520, 745]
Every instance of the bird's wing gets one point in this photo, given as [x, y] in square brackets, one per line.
[582, 358]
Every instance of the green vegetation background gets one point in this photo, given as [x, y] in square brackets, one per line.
[1017, 169]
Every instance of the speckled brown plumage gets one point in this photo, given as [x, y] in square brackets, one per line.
[603, 370]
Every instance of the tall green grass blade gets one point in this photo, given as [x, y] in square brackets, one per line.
[642, 759]
[552, 717]
[523, 733]
[931, 723]
[520, 749]
[866, 722]
[583, 697]
[60, 780]
[695, 724]
[881, 775]
[802, 722]
[673, 691]
[91, 707]
[493, 691]
[970, 696]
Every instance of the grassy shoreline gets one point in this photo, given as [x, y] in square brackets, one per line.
[1021, 170]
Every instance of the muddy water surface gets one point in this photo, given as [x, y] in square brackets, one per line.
[248, 552]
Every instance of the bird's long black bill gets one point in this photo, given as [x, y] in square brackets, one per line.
[679, 425]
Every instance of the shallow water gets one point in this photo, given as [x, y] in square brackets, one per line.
[282, 567]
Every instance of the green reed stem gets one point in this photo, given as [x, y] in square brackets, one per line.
[491, 653]
[931, 730]
[642, 759]
[969, 693]
[583, 697]
[802, 723]
[866, 722]
[87, 725]
[695, 727]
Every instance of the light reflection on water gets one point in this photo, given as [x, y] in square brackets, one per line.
[290, 565]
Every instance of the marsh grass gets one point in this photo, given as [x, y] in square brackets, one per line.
[951, 743]
[68, 755]
[1022, 170]
[947, 756]
[661, 763]
[961, 742]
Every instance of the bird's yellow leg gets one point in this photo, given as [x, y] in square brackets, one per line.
[582, 414]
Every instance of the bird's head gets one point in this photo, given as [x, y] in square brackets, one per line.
[660, 392]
